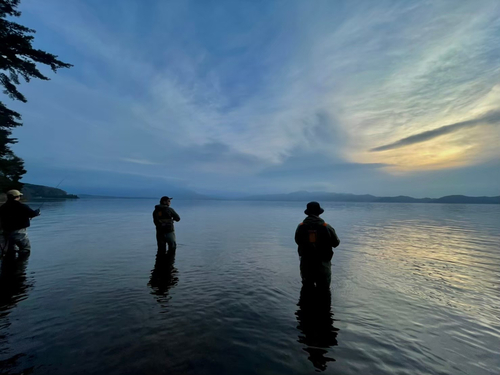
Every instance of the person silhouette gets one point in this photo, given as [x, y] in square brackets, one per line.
[315, 322]
[315, 240]
[164, 217]
[15, 218]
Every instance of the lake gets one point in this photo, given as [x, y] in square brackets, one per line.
[415, 290]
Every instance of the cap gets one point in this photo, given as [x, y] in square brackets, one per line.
[14, 193]
[165, 198]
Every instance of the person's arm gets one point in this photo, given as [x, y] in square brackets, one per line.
[29, 212]
[298, 234]
[155, 218]
[333, 236]
[174, 214]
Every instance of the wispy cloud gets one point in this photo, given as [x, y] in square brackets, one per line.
[219, 93]
[139, 161]
[492, 118]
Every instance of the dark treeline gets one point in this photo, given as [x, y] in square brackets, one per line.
[18, 59]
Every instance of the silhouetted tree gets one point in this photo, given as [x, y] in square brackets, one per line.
[18, 59]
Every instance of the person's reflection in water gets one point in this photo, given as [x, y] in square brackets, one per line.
[315, 321]
[163, 275]
[13, 281]
[14, 287]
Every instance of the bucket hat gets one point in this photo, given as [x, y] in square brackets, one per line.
[313, 208]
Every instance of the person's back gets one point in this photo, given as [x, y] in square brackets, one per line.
[315, 240]
[162, 217]
[15, 215]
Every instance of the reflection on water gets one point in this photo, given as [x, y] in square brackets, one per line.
[451, 265]
[163, 275]
[14, 287]
[315, 322]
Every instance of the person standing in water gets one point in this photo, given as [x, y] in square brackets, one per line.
[15, 218]
[315, 240]
[164, 217]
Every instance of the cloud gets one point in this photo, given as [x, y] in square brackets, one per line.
[139, 161]
[491, 118]
[227, 96]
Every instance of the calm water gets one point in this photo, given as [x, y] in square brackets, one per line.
[415, 290]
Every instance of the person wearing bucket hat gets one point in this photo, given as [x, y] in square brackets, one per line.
[164, 217]
[15, 218]
[315, 240]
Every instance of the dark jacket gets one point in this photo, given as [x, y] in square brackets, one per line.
[164, 217]
[15, 215]
[316, 239]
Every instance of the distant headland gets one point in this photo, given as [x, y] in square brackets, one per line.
[33, 192]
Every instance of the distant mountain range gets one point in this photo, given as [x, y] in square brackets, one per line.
[338, 197]
[34, 192]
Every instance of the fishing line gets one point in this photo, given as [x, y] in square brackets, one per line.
[60, 182]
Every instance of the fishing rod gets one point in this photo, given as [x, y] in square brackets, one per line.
[60, 182]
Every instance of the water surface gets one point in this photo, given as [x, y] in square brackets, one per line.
[415, 290]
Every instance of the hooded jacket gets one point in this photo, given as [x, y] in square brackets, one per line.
[315, 239]
[164, 217]
[15, 215]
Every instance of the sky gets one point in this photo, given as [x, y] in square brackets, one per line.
[248, 97]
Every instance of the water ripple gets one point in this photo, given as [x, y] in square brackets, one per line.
[414, 291]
